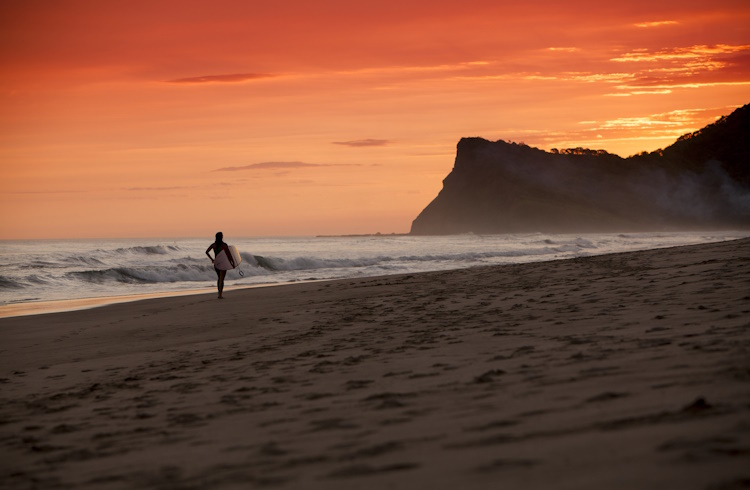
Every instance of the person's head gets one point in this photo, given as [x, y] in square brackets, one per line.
[219, 237]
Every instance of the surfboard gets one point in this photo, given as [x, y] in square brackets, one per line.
[222, 262]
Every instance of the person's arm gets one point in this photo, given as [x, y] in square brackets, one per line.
[229, 255]
[210, 247]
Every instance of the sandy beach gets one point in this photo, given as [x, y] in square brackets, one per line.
[626, 371]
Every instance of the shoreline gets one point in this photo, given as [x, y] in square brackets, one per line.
[30, 308]
[34, 308]
[565, 374]
[43, 307]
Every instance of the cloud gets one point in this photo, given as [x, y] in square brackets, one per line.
[230, 78]
[173, 188]
[623, 135]
[564, 49]
[267, 165]
[645, 71]
[49, 192]
[699, 52]
[657, 23]
[664, 70]
[282, 166]
[596, 77]
[360, 143]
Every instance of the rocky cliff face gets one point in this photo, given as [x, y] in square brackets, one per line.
[702, 181]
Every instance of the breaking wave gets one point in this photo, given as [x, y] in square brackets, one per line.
[145, 275]
[6, 283]
[69, 269]
[148, 250]
[313, 263]
[190, 270]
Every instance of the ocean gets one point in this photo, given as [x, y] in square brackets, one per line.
[54, 270]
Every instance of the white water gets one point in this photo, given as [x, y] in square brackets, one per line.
[45, 270]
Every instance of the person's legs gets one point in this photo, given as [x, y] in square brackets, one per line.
[220, 284]
[219, 280]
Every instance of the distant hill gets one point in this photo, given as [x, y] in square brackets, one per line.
[702, 181]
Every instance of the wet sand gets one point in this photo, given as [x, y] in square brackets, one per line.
[619, 371]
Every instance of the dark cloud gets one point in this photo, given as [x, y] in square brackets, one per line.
[231, 78]
[174, 188]
[366, 142]
[284, 166]
[270, 165]
[48, 192]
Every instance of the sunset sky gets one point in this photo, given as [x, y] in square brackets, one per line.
[297, 117]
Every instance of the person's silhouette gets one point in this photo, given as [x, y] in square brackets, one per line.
[218, 247]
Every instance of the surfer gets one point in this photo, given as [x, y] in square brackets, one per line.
[219, 246]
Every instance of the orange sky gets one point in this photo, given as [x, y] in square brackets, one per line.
[182, 118]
